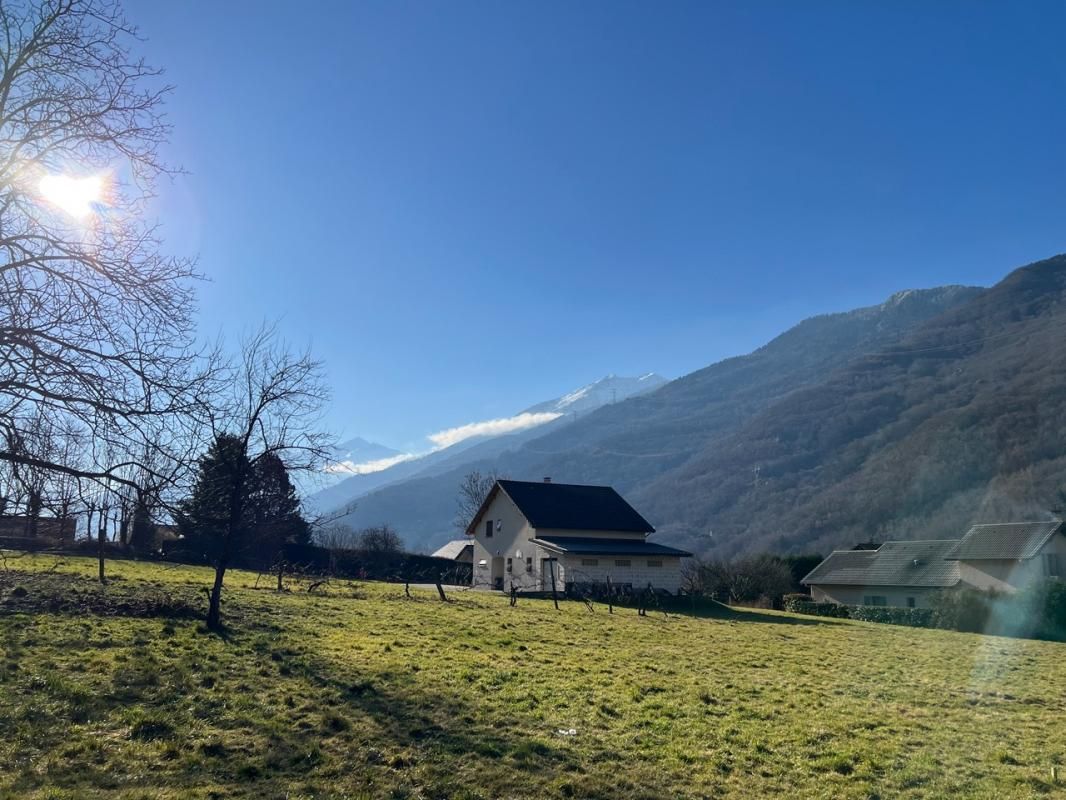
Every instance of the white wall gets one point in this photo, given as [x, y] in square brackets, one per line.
[513, 535]
[638, 574]
[853, 595]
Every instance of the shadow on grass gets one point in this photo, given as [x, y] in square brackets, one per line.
[705, 609]
[432, 725]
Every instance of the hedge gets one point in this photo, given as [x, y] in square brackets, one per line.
[817, 609]
[911, 617]
[1036, 612]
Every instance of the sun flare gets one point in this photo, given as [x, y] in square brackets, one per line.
[74, 196]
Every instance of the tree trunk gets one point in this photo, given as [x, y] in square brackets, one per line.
[214, 606]
[610, 597]
[440, 591]
[281, 572]
[100, 536]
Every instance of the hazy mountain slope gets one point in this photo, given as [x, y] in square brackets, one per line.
[964, 420]
[606, 390]
[630, 444]
[569, 406]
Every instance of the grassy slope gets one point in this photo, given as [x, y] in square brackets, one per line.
[363, 693]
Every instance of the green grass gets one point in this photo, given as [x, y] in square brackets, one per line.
[360, 692]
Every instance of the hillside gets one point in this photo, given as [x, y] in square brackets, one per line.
[632, 443]
[358, 692]
[959, 422]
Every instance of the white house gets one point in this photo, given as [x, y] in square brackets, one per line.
[1003, 557]
[527, 533]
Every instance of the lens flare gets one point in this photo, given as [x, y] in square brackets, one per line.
[77, 197]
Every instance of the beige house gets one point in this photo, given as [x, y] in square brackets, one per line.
[1003, 557]
[905, 574]
[529, 534]
[1008, 556]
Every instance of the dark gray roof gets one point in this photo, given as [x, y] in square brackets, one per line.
[915, 563]
[1004, 540]
[453, 549]
[580, 545]
[572, 506]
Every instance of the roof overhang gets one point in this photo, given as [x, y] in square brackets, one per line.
[575, 545]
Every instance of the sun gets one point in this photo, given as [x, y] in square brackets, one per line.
[74, 196]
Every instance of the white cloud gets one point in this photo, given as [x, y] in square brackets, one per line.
[491, 427]
[366, 467]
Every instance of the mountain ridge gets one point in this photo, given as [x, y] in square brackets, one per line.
[630, 443]
[582, 400]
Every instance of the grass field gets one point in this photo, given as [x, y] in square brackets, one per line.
[361, 692]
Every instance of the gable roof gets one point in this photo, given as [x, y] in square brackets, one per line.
[452, 549]
[918, 563]
[568, 506]
[1004, 540]
[581, 545]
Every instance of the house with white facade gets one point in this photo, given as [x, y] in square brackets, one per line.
[1002, 557]
[528, 535]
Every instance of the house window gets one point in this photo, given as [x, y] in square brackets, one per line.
[510, 566]
[874, 600]
[655, 562]
[590, 562]
[1051, 565]
[910, 602]
[529, 563]
[488, 529]
[621, 562]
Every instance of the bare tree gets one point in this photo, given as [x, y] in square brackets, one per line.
[748, 579]
[473, 490]
[96, 328]
[379, 540]
[270, 405]
[337, 537]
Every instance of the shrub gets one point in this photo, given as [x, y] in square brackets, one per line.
[968, 610]
[911, 617]
[817, 609]
[1041, 607]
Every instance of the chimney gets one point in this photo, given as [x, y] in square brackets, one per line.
[547, 479]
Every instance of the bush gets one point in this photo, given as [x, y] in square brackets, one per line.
[816, 609]
[1041, 608]
[1038, 612]
[911, 617]
[968, 610]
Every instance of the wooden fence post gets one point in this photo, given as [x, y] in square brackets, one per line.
[551, 569]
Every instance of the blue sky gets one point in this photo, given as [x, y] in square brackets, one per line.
[468, 207]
